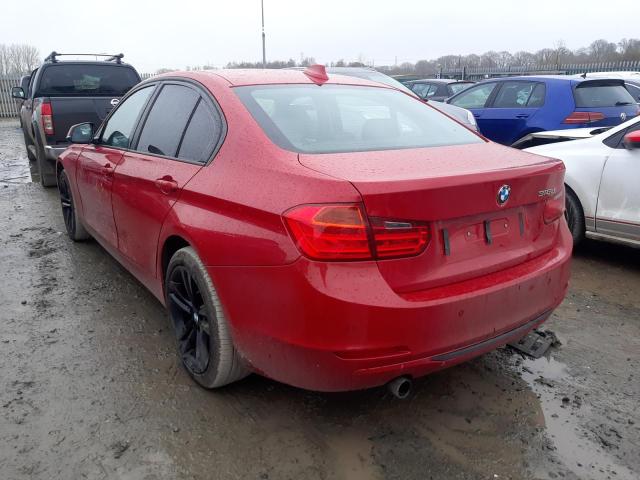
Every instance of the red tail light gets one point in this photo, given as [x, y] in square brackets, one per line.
[554, 208]
[343, 232]
[46, 117]
[583, 117]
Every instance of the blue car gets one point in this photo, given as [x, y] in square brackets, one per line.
[509, 109]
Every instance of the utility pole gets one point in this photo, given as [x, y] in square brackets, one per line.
[264, 51]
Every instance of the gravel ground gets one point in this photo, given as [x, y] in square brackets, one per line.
[91, 386]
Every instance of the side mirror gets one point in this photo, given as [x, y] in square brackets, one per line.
[632, 140]
[18, 92]
[81, 133]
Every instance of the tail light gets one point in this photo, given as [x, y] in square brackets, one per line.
[46, 117]
[554, 207]
[583, 117]
[343, 232]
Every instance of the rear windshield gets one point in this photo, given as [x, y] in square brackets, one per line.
[458, 87]
[589, 95]
[87, 80]
[341, 118]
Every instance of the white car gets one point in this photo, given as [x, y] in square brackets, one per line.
[602, 181]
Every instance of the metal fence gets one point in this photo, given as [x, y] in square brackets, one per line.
[9, 107]
[478, 73]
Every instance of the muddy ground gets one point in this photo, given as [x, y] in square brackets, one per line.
[91, 387]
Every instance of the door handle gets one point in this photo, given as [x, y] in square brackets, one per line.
[107, 170]
[477, 115]
[522, 115]
[166, 184]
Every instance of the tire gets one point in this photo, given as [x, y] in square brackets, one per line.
[575, 217]
[46, 171]
[202, 333]
[27, 144]
[75, 229]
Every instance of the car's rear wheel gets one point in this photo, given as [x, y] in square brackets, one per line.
[202, 332]
[28, 143]
[575, 217]
[45, 168]
[75, 229]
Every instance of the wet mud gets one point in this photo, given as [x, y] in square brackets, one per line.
[91, 386]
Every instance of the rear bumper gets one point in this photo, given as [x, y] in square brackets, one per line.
[52, 153]
[339, 326]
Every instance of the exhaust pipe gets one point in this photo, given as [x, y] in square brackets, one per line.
[400, 387]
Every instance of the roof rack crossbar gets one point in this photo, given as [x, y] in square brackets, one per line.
[52, 57]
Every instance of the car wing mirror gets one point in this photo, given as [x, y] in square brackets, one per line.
[632, 140]
[81, 133]
[18, 92]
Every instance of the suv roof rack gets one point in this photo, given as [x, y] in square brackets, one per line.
[52, 57]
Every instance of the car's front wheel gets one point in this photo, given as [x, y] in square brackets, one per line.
[75, 229]
[575, 217]
[202, 332]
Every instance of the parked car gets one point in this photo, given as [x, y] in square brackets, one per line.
[59, 94]
[438, 89]
[325, 231]
[631, 80]
[603, 174]
[509, 109]
[460, 114]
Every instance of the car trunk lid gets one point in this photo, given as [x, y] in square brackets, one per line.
[455, 190]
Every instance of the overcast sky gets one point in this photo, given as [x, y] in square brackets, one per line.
[163, 33]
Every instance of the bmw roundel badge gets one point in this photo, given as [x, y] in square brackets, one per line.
[503, 194]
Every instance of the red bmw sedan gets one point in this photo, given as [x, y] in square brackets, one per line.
[325, 231]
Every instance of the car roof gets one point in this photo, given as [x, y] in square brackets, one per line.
[547, 78]
[255, 76]
[445, 81]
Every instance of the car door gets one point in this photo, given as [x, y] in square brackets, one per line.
[97, 163]
[511, 110]
[618, 209]
[174, 141]
[475, 99]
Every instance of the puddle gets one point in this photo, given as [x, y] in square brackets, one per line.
[564, 413]
[14, 164]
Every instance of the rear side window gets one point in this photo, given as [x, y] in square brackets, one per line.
[202, 134]
[520, 95]
[599, 94]
[117, 132]
[475, 97]
[86, 80]
[634, 90]
[167, 120]
[342, 118]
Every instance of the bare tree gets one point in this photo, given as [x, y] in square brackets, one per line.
[603, 51]
[20, 59]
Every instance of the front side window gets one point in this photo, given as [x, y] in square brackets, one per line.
[474, 97]
[519, 95]
[167, 120]
[341, 118]
[119, 128]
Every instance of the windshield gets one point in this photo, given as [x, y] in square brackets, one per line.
[341, 118]
[592, 94]
[87, 80]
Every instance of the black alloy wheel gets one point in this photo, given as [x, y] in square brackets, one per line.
[66, 201]
[190, 318]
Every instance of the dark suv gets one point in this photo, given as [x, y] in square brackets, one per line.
[59, 94]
